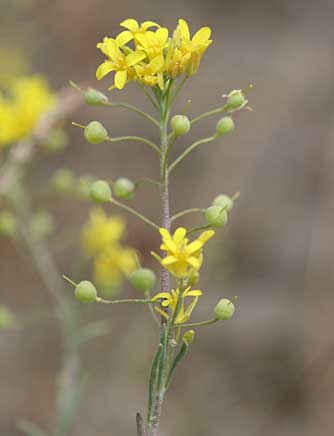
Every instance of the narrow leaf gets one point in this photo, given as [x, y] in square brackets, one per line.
[153, 379]
[177, 360]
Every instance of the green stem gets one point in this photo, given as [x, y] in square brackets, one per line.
[190, 149]
[217, 111]
[196, 324]
[128, 300]
[133, 109]
[198, 228]
[134, 212]
[138, 139]
[185, 212]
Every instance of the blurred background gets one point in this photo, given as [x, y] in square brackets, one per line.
[270, 369]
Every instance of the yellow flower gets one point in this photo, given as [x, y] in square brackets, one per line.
[171, 300]
[134, 28]
[151, 74]
[182, 258]
[26, 99]
[119, 61]
[153, 43]
[101, 232]
[113, 265]
[184, 53]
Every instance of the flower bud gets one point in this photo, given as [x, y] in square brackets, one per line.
[56, 140]
[235, 100]
[95, 133]
[225, 125]
[224, 201]
[189, 336]
[224, 309]
[180, 124]
[143, 279]
[8, 224]
[41, 224]
[124, 188]
[95, 97]
[63, 181]
[86, 292]
[216, 216]
[193, 278]
[100, 192]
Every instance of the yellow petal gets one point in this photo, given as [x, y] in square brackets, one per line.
[164, 295]
[194, 262]
[161, 312]
[168, 260]
[162, 35]
[164, 233]
[134, 58]
[156, 64]
[104, 69]
[184, 29]
[202, 35]
[205, 236]
[120, 79]
[124, 37]
[109, 48]
[194, 293]
[130, 24]
[194, 246]
[179, 234]
[147, 24]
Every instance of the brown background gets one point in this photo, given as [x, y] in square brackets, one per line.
[270, 370]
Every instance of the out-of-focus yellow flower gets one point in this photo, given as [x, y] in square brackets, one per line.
[182, 258]
[118, 61]
[151, 74]
[113, 265]
[101, 232]
[153, 43]
[25, 100]
[186, 52]
[171, 300]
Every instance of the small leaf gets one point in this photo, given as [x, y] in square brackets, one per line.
[177, 360]
[153, 379]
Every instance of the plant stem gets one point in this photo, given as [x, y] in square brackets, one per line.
[134, 212]
[138, 139]
[219, 110]
[185, 212]
[129, 300]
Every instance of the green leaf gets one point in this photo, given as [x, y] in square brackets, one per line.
[183, 351]
[153, 379]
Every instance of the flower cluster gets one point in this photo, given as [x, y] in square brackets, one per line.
[153, 56]
[102, 240]
[21, 106]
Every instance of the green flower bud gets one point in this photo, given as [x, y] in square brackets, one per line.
[95, 133]
[100, 192]
[193, 278]
[224, 309]
[189, 336]
[56, 140]
[235, 99]
[225, 125]
[224, 201]
[180, 124]
[95, 97]
[143, 279]
[63, 181]
[41, 224]
[8, 224]
[216, 216]
[7, 319]
[124, 188]
[86, 292]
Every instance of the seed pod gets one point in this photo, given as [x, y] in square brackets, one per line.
[180, 124]
[216, 216]
[224, 201]
[100, 192]
[95, 133]
[124, 188]
[63, 181]
[143, 279]
[86, 292]
[225, 125]
[189, 336]
[235, 99]
[224, 309]
[95, 97]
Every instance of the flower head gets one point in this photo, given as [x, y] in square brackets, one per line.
[101, 232]
[135, 28]
[151, 74]
[119, 60]
[182, 258]
[153, 43]
[171, 300]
